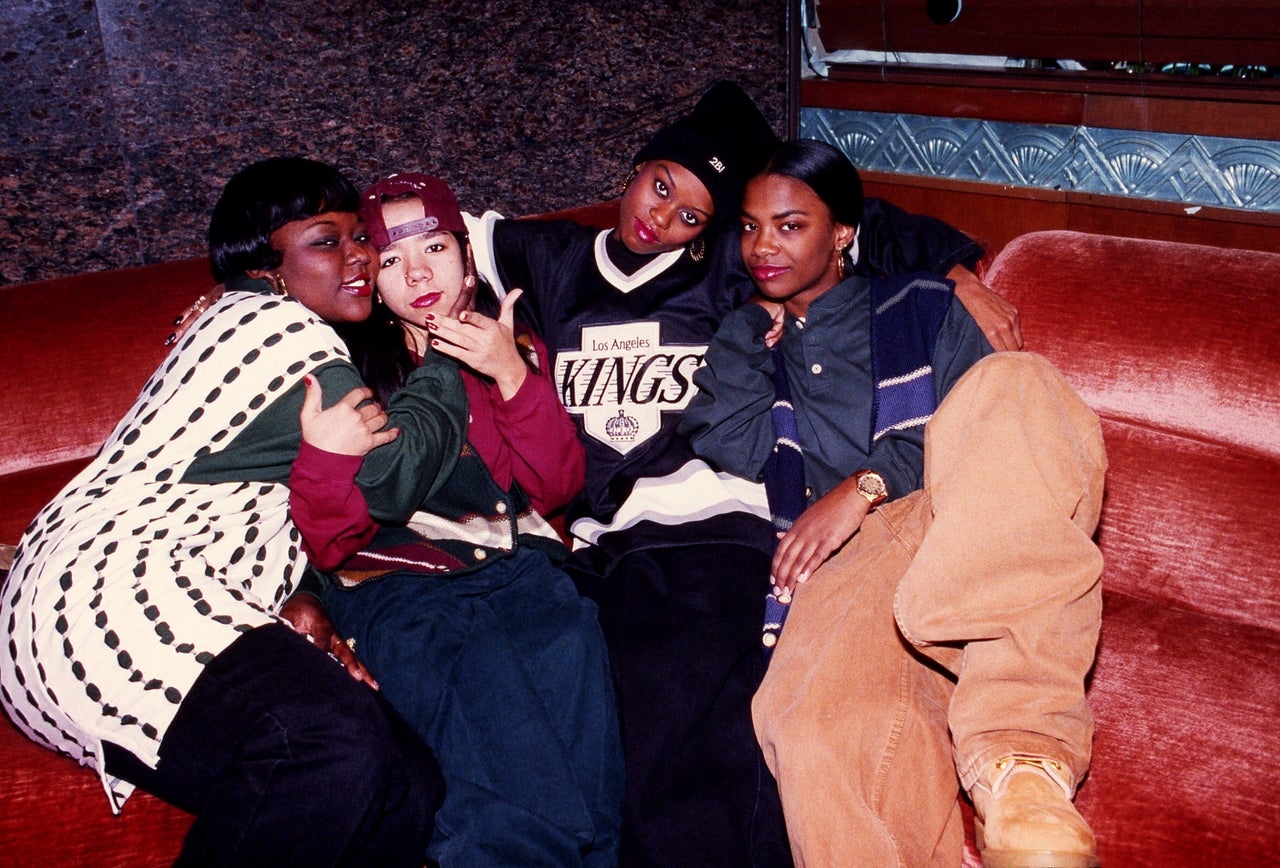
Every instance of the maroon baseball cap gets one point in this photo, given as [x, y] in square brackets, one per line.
[441, 209]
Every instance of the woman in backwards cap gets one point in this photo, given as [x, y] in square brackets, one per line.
[675, 553]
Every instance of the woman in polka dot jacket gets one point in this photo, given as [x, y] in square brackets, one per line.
[147, 614]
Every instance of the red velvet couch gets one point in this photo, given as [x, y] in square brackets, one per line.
[1176, 346]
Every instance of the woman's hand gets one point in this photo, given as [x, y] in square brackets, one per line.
[309, 619]
[353, 426]
[486, 346]
[821, 530]
[997, 318]
[777, 313]
[187, 318]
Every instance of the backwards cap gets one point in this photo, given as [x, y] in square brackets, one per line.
[724, 141]
[438, 203]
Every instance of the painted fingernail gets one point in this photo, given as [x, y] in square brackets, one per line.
[785, 598]
[177, 321]
[170, 339]
[430, 317]
[804, 577]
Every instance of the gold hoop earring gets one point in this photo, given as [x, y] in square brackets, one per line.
[697, 249]
[840, 265]
[631, 176]
[278, 284]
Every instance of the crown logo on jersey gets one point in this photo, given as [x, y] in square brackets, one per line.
[622, 427]
[717, 165]
[624, 379]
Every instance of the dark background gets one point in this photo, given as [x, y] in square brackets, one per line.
[121, 120]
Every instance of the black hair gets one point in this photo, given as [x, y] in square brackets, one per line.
[377, 345]
[826, 171]
[261, 198]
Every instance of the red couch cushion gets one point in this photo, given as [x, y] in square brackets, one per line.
[1176, 336]
[55, 813]
[1177, 347]
[1185, 768]
[76, 353]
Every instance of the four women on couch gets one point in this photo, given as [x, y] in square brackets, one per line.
[677, 553]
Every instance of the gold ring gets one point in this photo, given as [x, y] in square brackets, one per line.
[351, 643]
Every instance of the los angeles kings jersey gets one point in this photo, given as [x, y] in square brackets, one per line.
[625, 347]
[624, 351]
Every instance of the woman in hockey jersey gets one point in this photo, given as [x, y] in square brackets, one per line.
[675, 553]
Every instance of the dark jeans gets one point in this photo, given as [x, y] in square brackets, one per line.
[504, 673]
[285, 760]
[683, 628]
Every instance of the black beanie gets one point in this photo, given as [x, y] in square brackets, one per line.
[724, 141]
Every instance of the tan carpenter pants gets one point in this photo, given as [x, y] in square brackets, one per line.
[956, 627]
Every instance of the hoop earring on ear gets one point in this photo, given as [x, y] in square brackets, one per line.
[840, 265]
[278, 283]
[631, 176]
[697, 249]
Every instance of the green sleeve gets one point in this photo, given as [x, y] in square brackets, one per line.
[430, 410]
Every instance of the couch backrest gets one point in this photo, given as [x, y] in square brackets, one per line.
[76, 352]
[1177, 348]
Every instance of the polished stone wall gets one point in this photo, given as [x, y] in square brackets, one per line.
[120, 120]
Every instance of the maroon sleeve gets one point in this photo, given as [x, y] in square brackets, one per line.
[327, 506]
[547, 459]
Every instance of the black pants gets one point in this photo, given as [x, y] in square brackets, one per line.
[285, 760]
[683, 629]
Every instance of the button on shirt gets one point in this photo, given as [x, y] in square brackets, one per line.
[829, 368]
[828, 362]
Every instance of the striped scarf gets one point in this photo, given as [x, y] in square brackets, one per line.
[907, 313]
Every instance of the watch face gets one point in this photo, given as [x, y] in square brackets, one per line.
[871, 486]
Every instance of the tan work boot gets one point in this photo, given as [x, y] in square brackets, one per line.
[1024, 817]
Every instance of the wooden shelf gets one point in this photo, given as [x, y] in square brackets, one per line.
[1238, 109]
[998, 213]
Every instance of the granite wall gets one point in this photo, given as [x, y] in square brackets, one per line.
[121, 120]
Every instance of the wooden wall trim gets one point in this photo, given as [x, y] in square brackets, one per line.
[1158, 31]
[1243, 109]
[998, 213]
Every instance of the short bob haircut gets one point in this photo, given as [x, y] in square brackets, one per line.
[260, 199]
[826, 171]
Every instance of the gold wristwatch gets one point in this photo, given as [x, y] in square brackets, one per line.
[871, 486]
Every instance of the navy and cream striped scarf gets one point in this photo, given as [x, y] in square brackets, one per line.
[907, 313]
